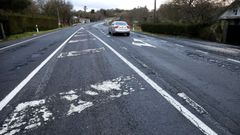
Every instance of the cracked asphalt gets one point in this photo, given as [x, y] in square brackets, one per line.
[81, 80]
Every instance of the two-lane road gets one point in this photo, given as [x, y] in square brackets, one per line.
[80, 80]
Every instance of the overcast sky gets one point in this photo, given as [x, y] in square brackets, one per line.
[110, 4]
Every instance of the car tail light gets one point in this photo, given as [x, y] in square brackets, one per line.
[128, 27]
[115, 27]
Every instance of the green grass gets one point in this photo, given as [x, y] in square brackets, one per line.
[27, 34]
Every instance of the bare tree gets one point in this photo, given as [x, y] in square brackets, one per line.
[191, 11]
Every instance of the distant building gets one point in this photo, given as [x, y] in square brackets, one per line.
[231, 19]
[80, 20]
[84, 20]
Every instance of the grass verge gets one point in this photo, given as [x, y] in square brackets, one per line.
[27, 34]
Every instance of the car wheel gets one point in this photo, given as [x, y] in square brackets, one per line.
[128, 34]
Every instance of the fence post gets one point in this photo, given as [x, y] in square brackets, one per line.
[37, 28]
[2, 31]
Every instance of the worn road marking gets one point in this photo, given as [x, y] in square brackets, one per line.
[78, 53]
[184, 111]
[9, 46]
[124, 48]
[80, 40]
[179, 45]
[82, 35]
[202, 51]
[140, 43]
[192, 103]
[237, 61]
[30, 115]
[102, 32]
[14, 92]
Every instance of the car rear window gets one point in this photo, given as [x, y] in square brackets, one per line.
[121, 23]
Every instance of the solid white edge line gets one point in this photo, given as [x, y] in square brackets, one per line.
[179, 45]
[9, 46]
[200, 51]
[14, 92]
[184, 111]
[233, 60]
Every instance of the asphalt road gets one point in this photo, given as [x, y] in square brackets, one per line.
[80, 80]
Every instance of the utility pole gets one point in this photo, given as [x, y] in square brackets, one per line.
[59, 22]
[85, 8]
[154, 12]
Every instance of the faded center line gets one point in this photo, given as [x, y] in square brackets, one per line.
[83, 52]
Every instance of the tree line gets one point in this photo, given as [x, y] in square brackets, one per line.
[51, 8]
[176, 11]
[179, 11]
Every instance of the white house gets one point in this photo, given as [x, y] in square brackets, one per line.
[231, 19]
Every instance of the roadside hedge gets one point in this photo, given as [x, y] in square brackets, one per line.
[192, 30]
[15, 23]
[211, 32]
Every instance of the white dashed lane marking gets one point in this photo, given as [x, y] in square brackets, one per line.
[200, 51]
[179, 45]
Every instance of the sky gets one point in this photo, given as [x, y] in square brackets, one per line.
[112, 4]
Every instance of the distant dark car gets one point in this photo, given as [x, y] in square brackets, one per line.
[119, 27]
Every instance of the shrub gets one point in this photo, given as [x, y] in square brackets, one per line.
[15, 23]
[191, 30]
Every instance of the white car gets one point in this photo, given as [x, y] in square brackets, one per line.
[119, 27]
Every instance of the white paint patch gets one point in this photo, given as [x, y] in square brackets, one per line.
[108, 36]
[124, 48]
[107, 86]
[237, 61]
[82, 105]
[70, 97]
[125, 93]
[81, 35]
[184, 111]
[138, 42]
[202, 51]
[192, 103]
[116, 96]
[80, 32]
[28, 114]
[14, 92]
[80, 40]
[34, 125]
[70, 92]
[13, 132]
[25, 105]
[78, 53]
[92, 93]
[33, 114]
